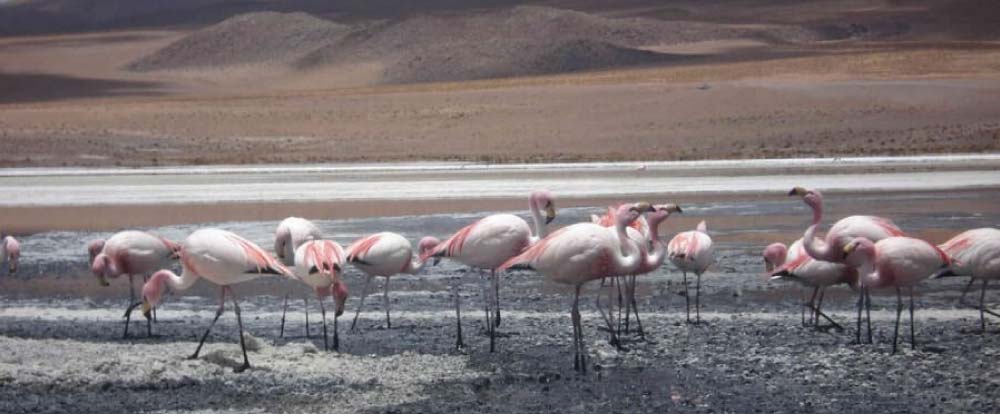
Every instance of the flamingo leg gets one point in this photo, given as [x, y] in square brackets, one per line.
[576, 336]
[322, 312]
[899, 312]
[388, 324]
[239, 322]
[811, 305]
[687, 298]
[131, 305]
[635, 308]
[819, 305]
[913, 334]
[364, 293]
[961, 299]
[621, 302]
[581, 350]
[629, 303]
[488, 294]
[861, 305]
[218, 313]
[336, 333]
[496, 298]
[868, 313]
[458, 318]
[982, 306]
[284, 310]
[697, 299]
[149, 323]
[306, 299]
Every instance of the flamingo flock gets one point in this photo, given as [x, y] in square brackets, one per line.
[862, 252]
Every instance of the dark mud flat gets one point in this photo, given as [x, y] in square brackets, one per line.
[62, 352]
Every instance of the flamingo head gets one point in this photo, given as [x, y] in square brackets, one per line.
[426, 245]
[774, 256]
[859, 251]
[543, 200]
[175, 248]
[339, 292]
[812, 198]
[99, 267]
[152, 291]
[13, 249]
[628, 213]
[662, 212]
[94, 248]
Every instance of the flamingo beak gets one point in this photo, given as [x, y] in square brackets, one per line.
[768, 266]
[798, 191]
[550, 213]
[146, 308]
[103, 281]
[849, 249]
[644, 207]
[674, 208]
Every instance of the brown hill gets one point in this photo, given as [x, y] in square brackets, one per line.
[252, 38]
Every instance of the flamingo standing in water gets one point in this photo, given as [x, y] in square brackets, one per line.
[223, 258]
[386, 254]
[131, 253]
[319, 264]
[976, 253]
[488, 243]
[896, 262]
[784, 263]
[10, 250]
[582, 252]
[645, 233]
[692, 251]
[291, 233]
[830, 248]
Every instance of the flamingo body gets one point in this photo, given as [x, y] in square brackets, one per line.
[10, 250]
[133, 252]
[487, 243]
[692, 251]
[975, 253]
[290, 234]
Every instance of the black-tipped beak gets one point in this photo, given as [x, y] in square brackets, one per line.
[436, 261]
[550, 213]
[146, 309]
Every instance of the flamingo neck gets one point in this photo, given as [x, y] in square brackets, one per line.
[541, 230]
[629, 255]
[818, 248]
[657, 251]
[182, 282]
[414, 266]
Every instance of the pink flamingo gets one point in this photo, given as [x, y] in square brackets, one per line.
[795, 264]
[223, 258]
[488, 243]
[692, 251]
[841, 233]
[291, 233]
[386, 254]
[319, 264]
[976, 253]
[896, 262]
[10, 250]
[131, 253]
[645, 233]
[582, 252]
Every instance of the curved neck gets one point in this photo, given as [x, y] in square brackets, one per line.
[658, 251]
[414, 266]
[629, 256]
[541, 230]
[168, 278]
[818, 248]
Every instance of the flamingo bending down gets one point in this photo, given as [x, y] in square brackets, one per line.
[488, 243]
[830, 249]
[10, 250]
[582, 252]
[319, 264]
[784, 263]
[645, 233]
[223, 258]
[131, 253]
[692, 251]
[896, 262]
[976, 253]
[291, 233]
[386, 254]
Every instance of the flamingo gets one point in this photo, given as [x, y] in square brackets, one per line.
[645, 233]
[386, 254]
[841, 233]
[692, 251]
[976, 253]
[793, 263]
[488, 243]
[319, 264]
[291, 233]
[896, 262]
[10, 250]
[582, 252]
[131, 253]
[223, 258]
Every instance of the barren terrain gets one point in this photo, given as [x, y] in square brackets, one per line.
[496, 81]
